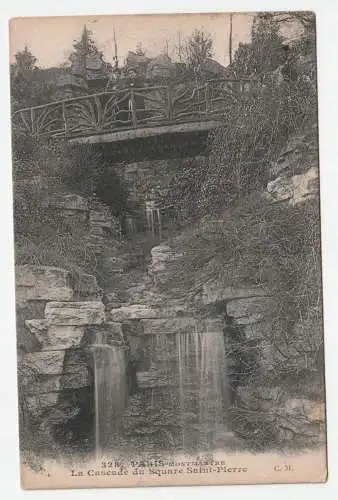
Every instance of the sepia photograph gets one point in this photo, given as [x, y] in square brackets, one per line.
[168, 266]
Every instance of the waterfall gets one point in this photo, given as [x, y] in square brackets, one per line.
[203, 388]
[154, 221]
[109, 392]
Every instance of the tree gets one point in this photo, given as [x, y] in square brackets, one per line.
[84, 47]
[86, 44]
[28, 87]
[25, 61]
[265, 52]
[198, 48]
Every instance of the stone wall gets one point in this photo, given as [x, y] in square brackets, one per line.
[147, 178]
[57, 366]
[246, 315]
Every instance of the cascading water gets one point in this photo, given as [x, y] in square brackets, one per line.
[109, 392]
[203, 388]
[153, 215]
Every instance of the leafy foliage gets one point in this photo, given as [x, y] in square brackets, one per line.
[28, 86]
[198, 48]
[281, 101]
[237, 237]
[86, 45]
[264, 54]
[25, 60]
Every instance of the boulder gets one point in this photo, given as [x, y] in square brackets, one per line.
[295, 189]
[75, 313]
[54, 337]
[43, 283]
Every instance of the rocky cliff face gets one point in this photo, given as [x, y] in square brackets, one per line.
[143, 305]
[295, 174]
[59, 315]
[57, 361]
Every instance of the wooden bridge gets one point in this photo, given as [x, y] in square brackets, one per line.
[132, 112]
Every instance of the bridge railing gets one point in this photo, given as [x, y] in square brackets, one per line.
[131, 107]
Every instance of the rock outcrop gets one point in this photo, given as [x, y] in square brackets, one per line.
[295, 174]
[295, 189]
[75, 313]
[59, 363]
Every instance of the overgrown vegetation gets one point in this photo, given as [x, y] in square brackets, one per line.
[282, 101]
[237, 237]
[42, 169]
[31, 85]
[227, 231]
[198, 48]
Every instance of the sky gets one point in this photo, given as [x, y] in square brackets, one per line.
[50, 38]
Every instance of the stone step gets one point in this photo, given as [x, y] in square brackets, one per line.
[75, 313]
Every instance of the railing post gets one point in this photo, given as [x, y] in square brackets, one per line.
[64, 117]
[33, 120]
[170, 103]
[133, 107]
[207, 98]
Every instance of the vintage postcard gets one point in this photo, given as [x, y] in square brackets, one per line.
[168, 250]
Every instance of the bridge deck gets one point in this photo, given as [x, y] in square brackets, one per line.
[149, 131]
[130, 113]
